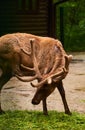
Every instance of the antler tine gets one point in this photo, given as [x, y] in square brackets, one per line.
[27, 68]
[68, 58]
[38, 84]
[26, 79]
[26, 52]
[66, 62]
[36, 69]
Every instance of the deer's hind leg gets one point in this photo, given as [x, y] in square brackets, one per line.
[62, 93]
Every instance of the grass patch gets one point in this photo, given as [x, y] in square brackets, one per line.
[34, 120]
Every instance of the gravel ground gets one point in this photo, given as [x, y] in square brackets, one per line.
[17, 95]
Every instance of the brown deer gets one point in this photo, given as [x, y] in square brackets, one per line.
[42, 58]
[50, 67]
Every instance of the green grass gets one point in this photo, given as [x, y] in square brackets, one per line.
[34, 120]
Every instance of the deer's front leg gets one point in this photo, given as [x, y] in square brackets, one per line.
[45, 111]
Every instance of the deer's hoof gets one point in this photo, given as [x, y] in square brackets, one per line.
[68, 113]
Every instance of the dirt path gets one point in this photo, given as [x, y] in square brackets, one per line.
[18, 95]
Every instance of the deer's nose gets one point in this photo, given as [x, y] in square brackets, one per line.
[35, 102]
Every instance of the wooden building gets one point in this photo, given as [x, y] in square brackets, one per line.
[30, 16]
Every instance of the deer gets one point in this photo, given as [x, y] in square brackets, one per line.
[37, 58]
[50, 67]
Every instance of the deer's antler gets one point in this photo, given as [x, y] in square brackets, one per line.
[53, 76]
[48, 78]
[35, 64]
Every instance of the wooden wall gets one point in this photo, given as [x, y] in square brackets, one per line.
[14, 20]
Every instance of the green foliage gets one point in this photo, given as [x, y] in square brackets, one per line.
[74, 25]
[34, 120]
